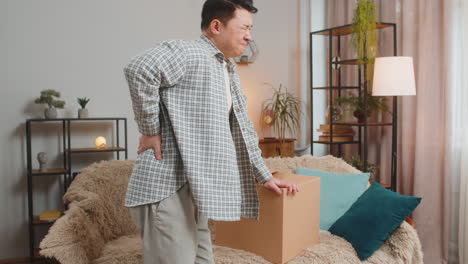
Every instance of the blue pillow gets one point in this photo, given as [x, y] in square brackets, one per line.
[372, 218]
[338, 192]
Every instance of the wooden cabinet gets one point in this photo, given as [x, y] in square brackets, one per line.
[272, 147]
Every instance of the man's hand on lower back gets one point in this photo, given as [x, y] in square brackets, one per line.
[148, 142]
[274, 185]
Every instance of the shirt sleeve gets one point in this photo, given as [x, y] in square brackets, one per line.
[159, 67]
[261, 171]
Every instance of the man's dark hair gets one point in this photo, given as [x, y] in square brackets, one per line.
[223, 10]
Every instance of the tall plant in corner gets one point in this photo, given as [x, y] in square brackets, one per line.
[283, 110]
[364, 35]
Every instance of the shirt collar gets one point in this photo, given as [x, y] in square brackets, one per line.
[213, 50]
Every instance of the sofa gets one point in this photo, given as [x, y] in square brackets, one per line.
[97, 228]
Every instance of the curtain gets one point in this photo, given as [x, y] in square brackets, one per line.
[457, 114]
[422, 126]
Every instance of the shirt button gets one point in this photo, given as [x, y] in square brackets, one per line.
[243, 129]
[237, 109]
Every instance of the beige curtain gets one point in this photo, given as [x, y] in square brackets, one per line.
[422, 137]
[457, 115]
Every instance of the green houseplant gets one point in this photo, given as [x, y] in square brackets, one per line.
[359, 164]
[83, 112]
[364, 35]
[50, 97]
[374, 103]
[282, 111]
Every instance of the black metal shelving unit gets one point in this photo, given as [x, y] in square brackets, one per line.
[336, 33]
[65, 170]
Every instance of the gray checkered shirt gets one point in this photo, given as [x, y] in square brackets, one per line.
[178, 91]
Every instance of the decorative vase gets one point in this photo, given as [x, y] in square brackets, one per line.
[83, 113]
[42, 158]
[336, 113]
[50, 113]
[347, 115]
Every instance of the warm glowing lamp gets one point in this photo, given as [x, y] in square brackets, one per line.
[100, 142]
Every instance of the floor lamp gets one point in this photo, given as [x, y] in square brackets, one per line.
[394, 76]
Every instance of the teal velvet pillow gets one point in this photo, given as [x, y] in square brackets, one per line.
[372, 218]
[338, 192]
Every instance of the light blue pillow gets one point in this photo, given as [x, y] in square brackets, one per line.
[338, 191]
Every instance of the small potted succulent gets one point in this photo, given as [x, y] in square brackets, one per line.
[83, 112]
[50, 97]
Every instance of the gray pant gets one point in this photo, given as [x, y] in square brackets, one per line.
[173, 232]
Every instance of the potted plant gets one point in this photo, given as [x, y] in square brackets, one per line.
[282, 111]
[364, 35]
[48, 97]
[83, 112]
[359, 164]
[374, 103]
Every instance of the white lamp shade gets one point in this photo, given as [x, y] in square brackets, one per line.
[393, 76]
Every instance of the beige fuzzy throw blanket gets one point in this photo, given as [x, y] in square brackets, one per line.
[97, 228]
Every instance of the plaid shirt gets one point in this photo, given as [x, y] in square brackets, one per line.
[178, 91]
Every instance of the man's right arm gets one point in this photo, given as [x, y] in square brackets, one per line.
[159, 67]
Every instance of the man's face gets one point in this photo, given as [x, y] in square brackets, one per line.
[235, 35]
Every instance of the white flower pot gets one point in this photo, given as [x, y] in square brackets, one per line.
[50, 113]
[83, 113]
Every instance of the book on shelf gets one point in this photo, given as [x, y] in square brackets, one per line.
[50, 215]
[336, 138]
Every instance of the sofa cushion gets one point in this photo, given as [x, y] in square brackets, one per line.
[338, 191]
[373, 218]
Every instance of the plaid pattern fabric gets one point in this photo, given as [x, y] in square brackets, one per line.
[178, 91]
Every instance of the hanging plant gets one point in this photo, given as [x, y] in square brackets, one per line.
[364, 34]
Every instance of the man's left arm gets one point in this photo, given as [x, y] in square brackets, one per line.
[261, 172]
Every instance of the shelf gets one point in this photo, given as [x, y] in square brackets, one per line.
[86, 150]
[117, 124]
[40, 222]
[386, 186]
[346, 29]
[333, 142]
[346, 62]
[335, 87]
[362, 124]
[76, 119]
[266, 140]
[52, 171]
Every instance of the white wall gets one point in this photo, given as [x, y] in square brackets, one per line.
[319, 22]
[79, 48]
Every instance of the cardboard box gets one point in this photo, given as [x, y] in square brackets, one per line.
[288, 224]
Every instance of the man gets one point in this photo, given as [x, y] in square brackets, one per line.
[198, 153]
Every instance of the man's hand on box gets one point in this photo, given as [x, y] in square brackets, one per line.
[148, 142]
[274, 185]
